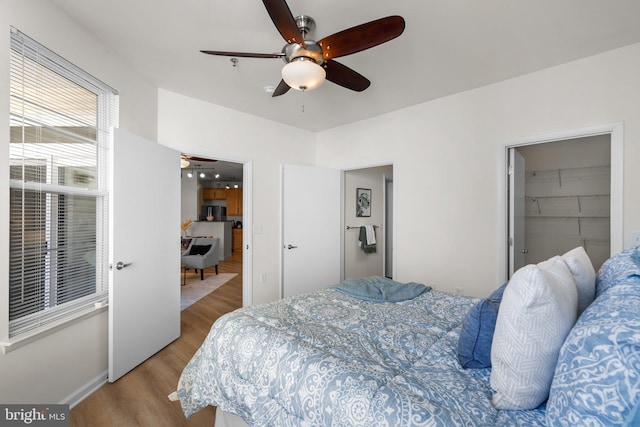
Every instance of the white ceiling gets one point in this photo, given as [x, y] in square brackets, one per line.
[448, 46]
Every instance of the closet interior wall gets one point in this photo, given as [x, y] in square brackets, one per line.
[568, 198]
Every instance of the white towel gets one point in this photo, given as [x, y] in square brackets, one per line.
[371, 234]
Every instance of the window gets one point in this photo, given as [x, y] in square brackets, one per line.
[60, 119]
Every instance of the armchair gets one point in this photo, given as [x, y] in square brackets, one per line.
[207, 259]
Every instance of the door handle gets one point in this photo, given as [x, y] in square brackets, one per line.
[525, 251]
[291, 247]
[120, 265]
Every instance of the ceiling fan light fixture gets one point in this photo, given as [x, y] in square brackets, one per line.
[303, 74]
[184, 163]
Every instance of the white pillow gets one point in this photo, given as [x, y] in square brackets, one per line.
[584, 275]
[538, 309]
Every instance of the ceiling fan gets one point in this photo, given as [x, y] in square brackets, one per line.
[185, 160]
[308, 62]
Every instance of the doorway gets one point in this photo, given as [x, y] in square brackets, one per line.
[563, 193]
[388, 230]
[212, 195]
[378, 183]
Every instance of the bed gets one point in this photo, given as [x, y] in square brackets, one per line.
[329, 358]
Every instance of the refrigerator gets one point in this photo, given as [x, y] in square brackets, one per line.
[219, 213]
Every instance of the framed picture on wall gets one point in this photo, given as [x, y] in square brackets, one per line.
[363, 202]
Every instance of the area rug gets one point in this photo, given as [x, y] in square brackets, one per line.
[195, 288]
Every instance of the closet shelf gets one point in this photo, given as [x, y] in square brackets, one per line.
[573, 196]
[569, 216]
[596, 205]
[584, 241]
[576, 169]
[599, 220]
[568, 176]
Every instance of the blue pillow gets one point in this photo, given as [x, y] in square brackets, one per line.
[596, 381]
[618, 268]
[634, 417]
[476, 335]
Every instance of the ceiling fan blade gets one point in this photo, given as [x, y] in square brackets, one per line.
[281, 89]
[197, 159]
[284, 21]
[345, 76]
[243, 54]
[361, 37]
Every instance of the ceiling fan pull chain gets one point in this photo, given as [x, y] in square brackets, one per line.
[303, 91]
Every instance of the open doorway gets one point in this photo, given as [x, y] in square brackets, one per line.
[212, 196]
[562, 194]
[376, 185]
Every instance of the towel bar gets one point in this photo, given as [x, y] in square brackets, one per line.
[350, 227]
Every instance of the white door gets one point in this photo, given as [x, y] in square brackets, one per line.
[517, 248]
[144, 291]
[311, 228]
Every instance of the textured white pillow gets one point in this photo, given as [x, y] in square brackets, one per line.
[584, 275]
[538, 309]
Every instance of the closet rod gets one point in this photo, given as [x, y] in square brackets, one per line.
[567, 217]
[533, 198]
[555, 170]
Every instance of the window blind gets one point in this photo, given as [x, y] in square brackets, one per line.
[60, 123]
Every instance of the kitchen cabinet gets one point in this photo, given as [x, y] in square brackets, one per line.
[207, 193]
[214, 194]
[234, 202]
[236, 238]
[219, 194]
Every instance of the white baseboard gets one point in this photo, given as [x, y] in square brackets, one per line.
[83, 392]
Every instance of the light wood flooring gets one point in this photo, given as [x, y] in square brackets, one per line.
[140, 397]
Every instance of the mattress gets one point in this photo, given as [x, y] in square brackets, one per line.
[326, 358]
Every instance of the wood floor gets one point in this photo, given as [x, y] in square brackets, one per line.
[140, 397]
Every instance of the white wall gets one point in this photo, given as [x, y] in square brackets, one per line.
[189, 198]
[592, 151]
[356, 263]
[212, 131]
[54, 368]
[449, 161]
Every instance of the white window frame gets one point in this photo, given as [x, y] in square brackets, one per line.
[30, 327]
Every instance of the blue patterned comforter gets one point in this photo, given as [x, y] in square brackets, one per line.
[328, 359]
